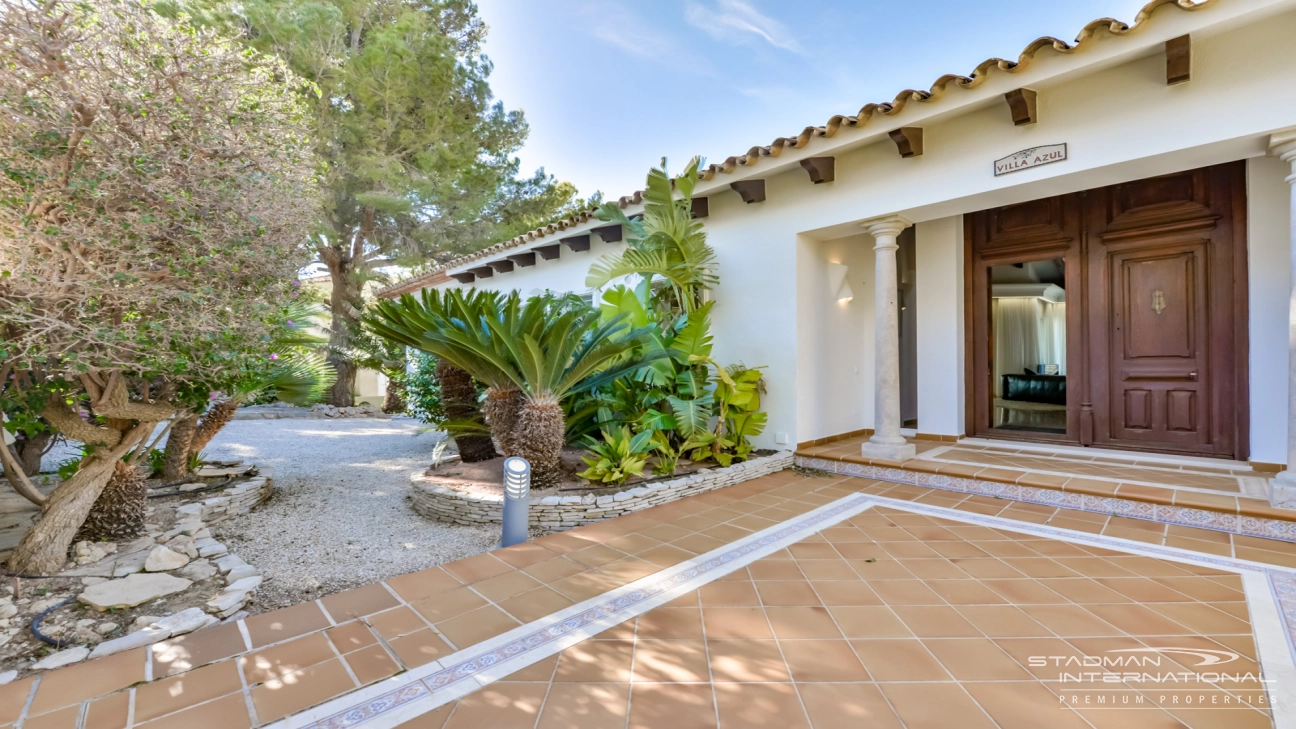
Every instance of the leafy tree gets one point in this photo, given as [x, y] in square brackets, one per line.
[419, 155]
[158, 185]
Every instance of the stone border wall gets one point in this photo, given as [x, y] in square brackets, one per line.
[434, 501]
[234, 501]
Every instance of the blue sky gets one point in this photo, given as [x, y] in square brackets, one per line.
[611, 86]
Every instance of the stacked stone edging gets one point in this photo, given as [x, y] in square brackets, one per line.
[434, 501]
[280, 411]
[234, 501]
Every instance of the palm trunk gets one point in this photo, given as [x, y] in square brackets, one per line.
[43, 550]
[345, 301]
[175, 464]
[459, 399]
[118, 513]
[394, 397]
[501, 410]
[539, 437]
[216, 418]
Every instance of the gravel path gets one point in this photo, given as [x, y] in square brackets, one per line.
[339, 517]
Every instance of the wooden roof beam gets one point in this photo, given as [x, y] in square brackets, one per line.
[577, 242]
[549, 252]
[751, 191]
[1178, 60]
[482, 271]
[504, 266]
[909, 140]
[701, 208]
[821, 169]
[1021, 102]
[523, 259]
[463, 278]
[608, 233]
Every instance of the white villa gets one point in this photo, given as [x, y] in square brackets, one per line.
[1091, 245]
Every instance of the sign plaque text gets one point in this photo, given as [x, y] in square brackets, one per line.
[1028, 158]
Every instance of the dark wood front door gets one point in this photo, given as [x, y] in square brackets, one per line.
[1158, 311]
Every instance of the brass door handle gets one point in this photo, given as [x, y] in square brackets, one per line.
[1192, 376]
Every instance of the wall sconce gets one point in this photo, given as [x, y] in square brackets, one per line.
[838, 284]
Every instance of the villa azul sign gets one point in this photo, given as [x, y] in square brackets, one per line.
[1028, 158]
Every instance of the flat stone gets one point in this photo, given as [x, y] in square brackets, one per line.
[247, 583]
[185, 487]
[213, 550]
[185, 621]
[133, 590]
[198, 571]
[8, 677]
[229, 562]
[106, 628]
[138, 639]
[143, 621]
[185, 545]
[228, 601]
[246, 570]
[162, 559]
[62, 658]
[8, 610]
[217, 472]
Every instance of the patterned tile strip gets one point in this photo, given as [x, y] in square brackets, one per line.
[473, 661]
[1166, 514]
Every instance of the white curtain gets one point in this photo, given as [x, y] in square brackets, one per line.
[1028, 332]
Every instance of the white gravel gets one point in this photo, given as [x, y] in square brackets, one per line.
[339, 517]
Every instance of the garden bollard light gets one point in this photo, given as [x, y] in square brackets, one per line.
[517, 500]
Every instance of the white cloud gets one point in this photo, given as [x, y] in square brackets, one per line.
[735, 20]
[623, 29]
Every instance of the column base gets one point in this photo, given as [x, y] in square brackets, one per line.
[1282, 490]
[890, 451]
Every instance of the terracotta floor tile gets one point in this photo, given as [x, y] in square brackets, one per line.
[596, 661]
[1039, 567]
[524, 555]
[935, 621]
[13, 698]
[449, 604]
[419, 648]
[986, 569]
[371, 664]
[552, 570]
[905, 592]
[787, 593]
[899, 660]
[1083, 590]
[351, 636]
[284, 623]
[585, 585]
[87, 680]
[178, 655]
[1050, 652]
[1144, 590]
[474, 627]
[1138, 620]
[847, 706]
[588, 706]
[542, 670]
[424, 584]
[822, 661]
[921, 706]
[200, 685]
[595, 555]
[933, 569]
[286, 658]
[746, 661]
[729, 594]
[506, 585]
[882, 569]
[66, 718]
[727, 533]
[671, 706]
[976, 659]
[776, 706]
[736, 623]
[477, 568]
[397, 622]
[699, 543]
[633, 543]
[795, 623]
[869, 622]
[846, 593]
[1198, 545]
[280, 697]
[665, 532]
[1025, 592]
[501, 705]
[827, 569]
[1205, 590]
[1203, 619]
[535, 604]
[775, 569]
[629, 569]
[229, 712]
[670, 661]
[666, 623]
[343, 606]
[965, 592]
[109, 712]
[1023, 705]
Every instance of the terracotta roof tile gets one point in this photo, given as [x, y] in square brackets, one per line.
[828, 130]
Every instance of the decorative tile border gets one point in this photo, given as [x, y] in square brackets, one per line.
[443, 681]
[1252, 526]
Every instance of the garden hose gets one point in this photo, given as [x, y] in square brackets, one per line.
[35, 626]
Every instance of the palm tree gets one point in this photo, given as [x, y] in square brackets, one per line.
[666, 246]
[544, 348]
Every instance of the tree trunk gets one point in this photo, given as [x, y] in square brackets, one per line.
[394, 398]
[345, 303]
[501, 410]
[459, 400]
[539, 438]
[118, 513]
[217, 417]
[175, 464]
[44, 548]
[31, 450]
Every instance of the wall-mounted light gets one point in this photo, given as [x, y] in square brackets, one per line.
[838, 284]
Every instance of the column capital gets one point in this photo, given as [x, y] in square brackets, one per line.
[1282, 144]
[888, 225]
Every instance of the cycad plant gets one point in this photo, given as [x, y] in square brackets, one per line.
[667, 246]
[543, 348]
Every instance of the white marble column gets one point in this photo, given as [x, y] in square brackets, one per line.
[886, 441]
[1283, 146]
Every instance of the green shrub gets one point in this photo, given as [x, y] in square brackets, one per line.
[617, 457]
[423, 392]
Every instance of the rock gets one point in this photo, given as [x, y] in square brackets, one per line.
[106, 627]
[198, 571]
[185, 621]
[246, 584]
[131, 591]
[41, 606]
[185, 487]
[242, 571]
[86, 623]
[183, 544]
[162, 559]
[62, 658]
[138, 639]
[88, 581]
[228, 602]
[217, 472]
[143, 621]
[7, 609]
[8, 677]
[229, 562]
[88, 553]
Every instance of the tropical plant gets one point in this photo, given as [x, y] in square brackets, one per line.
[423, 400]
[617, 457]
[667, 247]
[544, 348]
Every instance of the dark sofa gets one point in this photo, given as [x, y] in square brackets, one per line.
[1050, 389]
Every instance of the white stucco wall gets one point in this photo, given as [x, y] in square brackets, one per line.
[940, 326]
[1269, 281]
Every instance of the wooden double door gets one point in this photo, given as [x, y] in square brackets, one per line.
[1156, 316]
